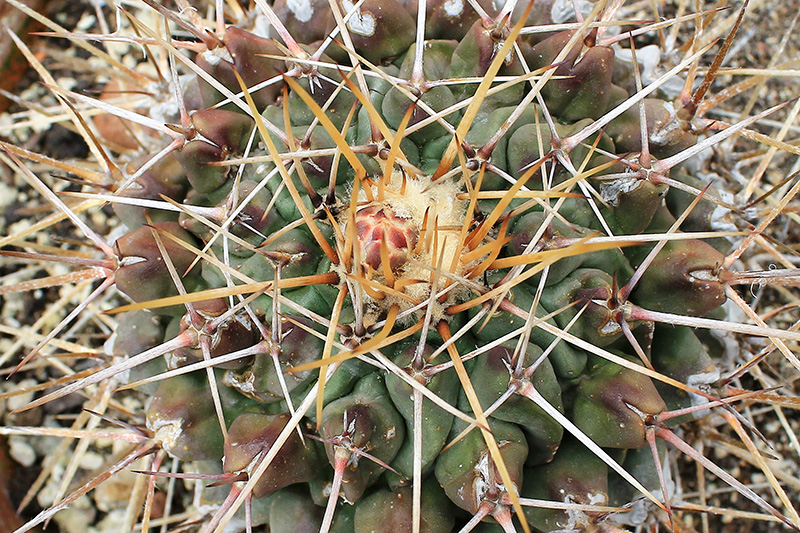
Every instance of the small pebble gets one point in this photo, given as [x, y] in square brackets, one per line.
[21, 451]
[74, 518]
[92, 461]
[20, 400]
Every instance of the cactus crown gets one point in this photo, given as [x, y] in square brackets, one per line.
[426, 264]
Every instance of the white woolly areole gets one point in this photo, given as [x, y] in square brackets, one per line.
[612, 190]
[720, 218]
[576, 518]
[244, 383]
[482, 484]
[660, 135]
[216, 55]
[453, 8]
[361, 23]
[701, 381]
[167, 431]
[302, 9]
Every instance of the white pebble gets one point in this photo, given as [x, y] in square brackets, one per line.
[21, 451]
[21, 400]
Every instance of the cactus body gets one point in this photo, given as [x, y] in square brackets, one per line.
[384, 273]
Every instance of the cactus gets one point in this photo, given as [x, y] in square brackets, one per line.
[395, 265]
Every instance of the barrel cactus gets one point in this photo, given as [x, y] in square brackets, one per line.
[396, 265]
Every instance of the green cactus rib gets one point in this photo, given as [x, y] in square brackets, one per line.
[388, 276]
